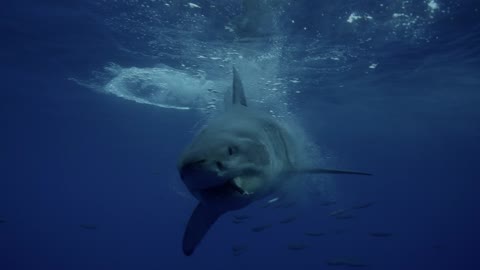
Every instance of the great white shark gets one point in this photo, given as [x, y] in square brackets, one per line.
[239, 157]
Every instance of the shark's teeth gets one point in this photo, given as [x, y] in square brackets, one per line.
[239, 182]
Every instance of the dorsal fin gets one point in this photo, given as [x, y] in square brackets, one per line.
[238, 95]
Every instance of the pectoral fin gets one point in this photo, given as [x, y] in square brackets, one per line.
[329, 171]
[200, 222]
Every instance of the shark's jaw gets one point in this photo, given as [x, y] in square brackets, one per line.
[208, 184]
[231, 190]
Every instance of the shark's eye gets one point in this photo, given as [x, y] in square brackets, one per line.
[232, 150]
[220, 166]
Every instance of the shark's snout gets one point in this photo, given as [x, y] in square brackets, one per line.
[191, 167]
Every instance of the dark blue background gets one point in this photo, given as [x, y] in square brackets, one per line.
[70, 156]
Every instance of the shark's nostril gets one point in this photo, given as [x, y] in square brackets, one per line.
[220, 166]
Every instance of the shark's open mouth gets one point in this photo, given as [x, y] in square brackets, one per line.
[240, 185]
[247, 184]
[234, 185]
[220, 181]
[238, 188]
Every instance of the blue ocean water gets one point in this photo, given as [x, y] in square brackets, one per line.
[99, 98]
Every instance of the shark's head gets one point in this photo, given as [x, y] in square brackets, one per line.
[225, 164]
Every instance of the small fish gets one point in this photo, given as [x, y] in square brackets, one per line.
[265, 205]
[344, 216]
[288, 220]
[315, 192]
[314, 234]
[285, 205]
[237, 253]
[89, 226]
[297, 246]
[261, 228]
[363, 205]
[335, 262]
[239, 249]
[355, 264]
[345, 262]
[273, 200]
[327, 203]
[338, 212]
[241, 217]
[380, 234]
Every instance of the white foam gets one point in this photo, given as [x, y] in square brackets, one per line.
[164, 87]
[432, 5]
[295, 80]
[398, 15]
[354, 17]
[230, 29]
